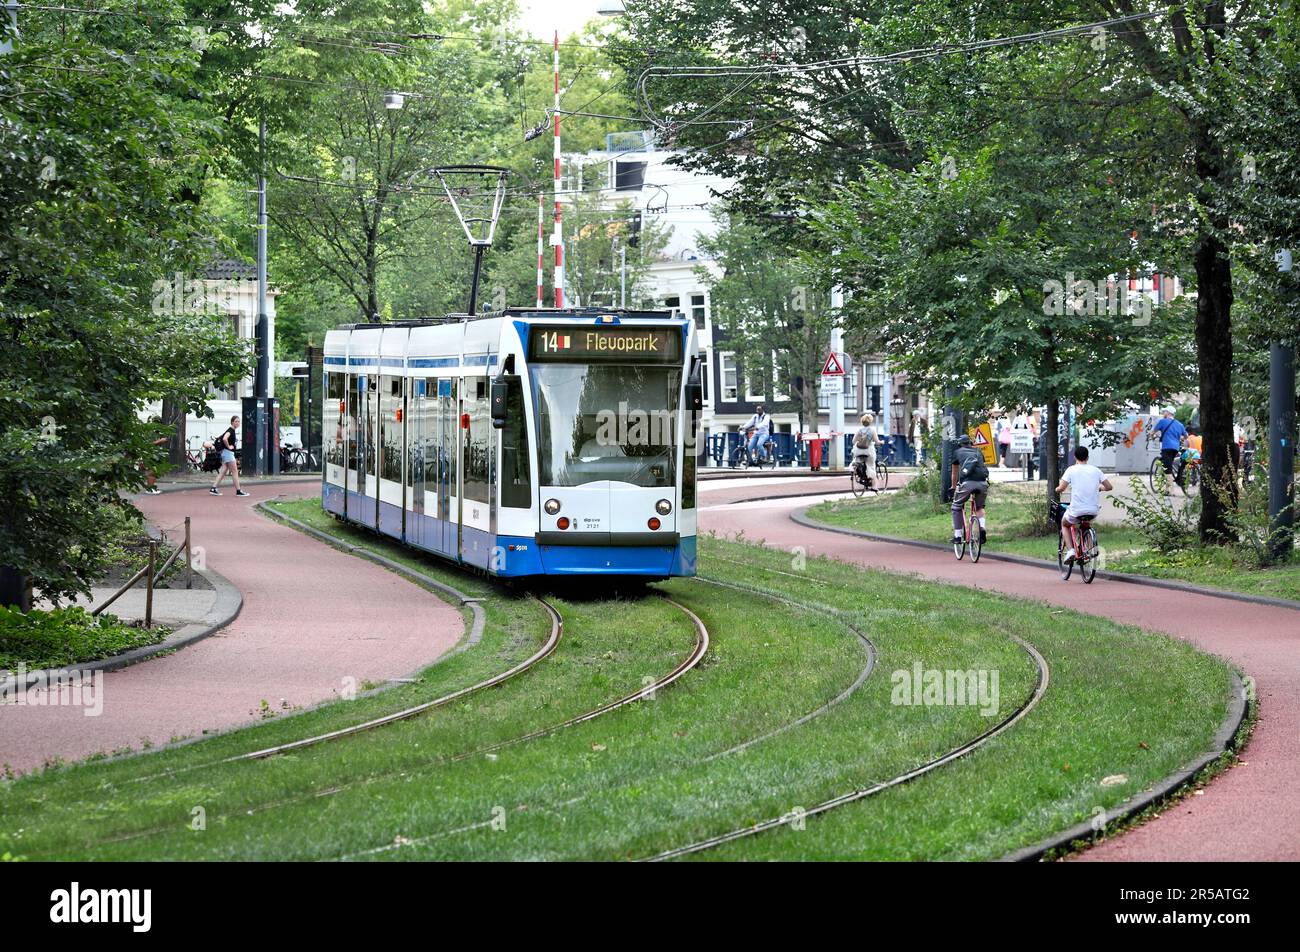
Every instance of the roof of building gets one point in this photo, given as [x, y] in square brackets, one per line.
[229, 269]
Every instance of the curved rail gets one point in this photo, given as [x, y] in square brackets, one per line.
[861, 794]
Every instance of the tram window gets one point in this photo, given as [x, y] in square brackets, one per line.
[689, 462]
[389, 405]
[356, 432]
[371, 405]
[334, 419]
[516, 484]
[477, 472]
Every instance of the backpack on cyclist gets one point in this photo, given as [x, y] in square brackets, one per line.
[973, 469]
[863, 440]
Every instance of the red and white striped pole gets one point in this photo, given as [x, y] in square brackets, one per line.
[540, 263]
[557, 238]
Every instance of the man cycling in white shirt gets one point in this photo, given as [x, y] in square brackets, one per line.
[1085, 483]
[758, 427]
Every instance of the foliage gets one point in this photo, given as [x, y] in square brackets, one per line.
[92, 217]
[771, 310]
[65, 636]
[595, 232]
[1164, 526]
[1247, 505]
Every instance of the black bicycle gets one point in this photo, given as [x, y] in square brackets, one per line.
[860, 483]
[740, 455]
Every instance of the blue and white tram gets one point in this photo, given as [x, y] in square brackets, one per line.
[527, 442]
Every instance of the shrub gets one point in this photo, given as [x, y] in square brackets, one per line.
[64, 636]
[1164, 526]
[1246, 507]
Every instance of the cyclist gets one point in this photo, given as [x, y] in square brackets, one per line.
[758, 428]
[1172, 433]
[1085, 483]
[970, 479]
[865, 442]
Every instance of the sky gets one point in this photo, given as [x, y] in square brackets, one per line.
[541, 17]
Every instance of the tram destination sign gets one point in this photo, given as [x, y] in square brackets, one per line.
[656, 345]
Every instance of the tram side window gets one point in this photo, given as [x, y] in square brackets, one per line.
[372, 405]
[335, 420]
[690, 461]
[477, 474]
[355, 433]
[516, 484]
[390, 405]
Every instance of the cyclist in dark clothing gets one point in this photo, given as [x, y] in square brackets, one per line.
[970, 478]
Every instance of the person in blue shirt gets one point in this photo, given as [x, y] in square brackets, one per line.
[1172, 433]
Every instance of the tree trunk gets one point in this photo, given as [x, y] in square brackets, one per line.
[173, 415]
[1214, 366]
[15, 589]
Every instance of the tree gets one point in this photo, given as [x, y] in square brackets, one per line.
[771, 310]
[88, 227]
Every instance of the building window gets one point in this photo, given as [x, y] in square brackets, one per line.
[699, 310]
[756, 382]
[674, 304]
[777, 393]
[729, 371]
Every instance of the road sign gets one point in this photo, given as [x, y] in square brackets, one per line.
[832, 384]
[982, 437]
[832, 367]
[1022, 440]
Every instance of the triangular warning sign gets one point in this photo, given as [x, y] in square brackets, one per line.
[833, 367]
[979, 438]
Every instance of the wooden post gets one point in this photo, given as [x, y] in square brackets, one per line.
[189, 556]
[148, 585]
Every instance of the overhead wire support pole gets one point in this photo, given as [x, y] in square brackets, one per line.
[557, 238]
[541, 272]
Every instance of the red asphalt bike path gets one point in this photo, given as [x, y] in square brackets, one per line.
[315, 622]
[1249, 812]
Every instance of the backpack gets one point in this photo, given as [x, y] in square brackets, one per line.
[863, 440]
[973, 469]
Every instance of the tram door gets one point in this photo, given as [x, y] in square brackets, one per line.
[359, 434]
[448, 470]
[416, 403]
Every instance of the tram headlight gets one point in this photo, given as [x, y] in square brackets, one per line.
[663, 507]
[552, 506]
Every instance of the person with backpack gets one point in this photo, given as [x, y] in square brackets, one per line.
[226, 444]
[865, 441]
[970, 478]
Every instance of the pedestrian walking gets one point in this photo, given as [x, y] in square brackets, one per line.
[229, 464]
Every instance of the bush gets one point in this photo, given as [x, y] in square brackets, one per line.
[1246, 507]
[65, 636]
[1163, 526]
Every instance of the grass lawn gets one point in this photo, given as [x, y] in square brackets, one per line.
[649, 777]
[1012, 529]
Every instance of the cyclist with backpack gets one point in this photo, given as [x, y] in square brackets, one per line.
[970, 479]
[865, 442]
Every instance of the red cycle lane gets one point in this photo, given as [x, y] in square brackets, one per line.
[315, 622]
[1250, 812]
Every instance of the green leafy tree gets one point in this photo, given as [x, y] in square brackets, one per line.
[771, 309]
[88, 229]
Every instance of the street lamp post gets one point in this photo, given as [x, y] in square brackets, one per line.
[1281, 431]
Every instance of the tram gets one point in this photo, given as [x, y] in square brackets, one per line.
[524, 442]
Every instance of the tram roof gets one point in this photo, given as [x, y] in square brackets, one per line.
[545, 313]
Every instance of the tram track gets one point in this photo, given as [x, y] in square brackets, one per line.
[853, 796]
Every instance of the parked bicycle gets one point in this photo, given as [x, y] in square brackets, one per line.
[297, 459]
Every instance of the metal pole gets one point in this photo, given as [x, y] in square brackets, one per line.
[262, 386]
[1282, 431]
[473, 288]
[622, 276]
[148, 585]
[837, 399]
[557, 238]
[189, 556]
[541, 274]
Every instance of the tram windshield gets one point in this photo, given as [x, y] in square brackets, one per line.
[606, 421]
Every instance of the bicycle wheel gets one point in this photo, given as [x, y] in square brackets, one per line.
[1060, 560]
[882, 477]
[976, 546]
[1088, 568]
[770, 462]
[1193, 478]
[959, 548]
[737, 456]
[855, 481]
[1157, 476]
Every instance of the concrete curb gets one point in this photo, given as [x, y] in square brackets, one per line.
[225, 609]
[1238, 708]
[250, 481]
[802, 518]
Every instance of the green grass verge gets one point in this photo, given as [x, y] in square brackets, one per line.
[1013, 514]
[639, 780]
